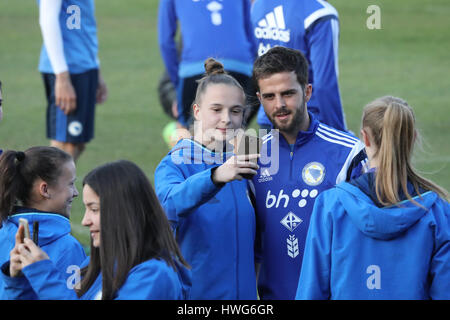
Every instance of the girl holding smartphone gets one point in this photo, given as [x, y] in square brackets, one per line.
[201, 186]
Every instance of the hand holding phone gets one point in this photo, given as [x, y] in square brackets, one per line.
[249, 145]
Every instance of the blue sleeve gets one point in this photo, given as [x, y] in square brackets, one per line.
[17, 288]
[48, 282]
[179, 195]
[322, 41]
[167, 28]
[314, 282]
[151, 282]
[440, 262]
[249, 29]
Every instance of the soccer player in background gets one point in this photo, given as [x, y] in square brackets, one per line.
[70, 69]
[210, 28]
[300, 158]
[311, 26]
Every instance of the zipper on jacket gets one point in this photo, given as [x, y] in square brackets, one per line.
[237, 242]
[291, 157]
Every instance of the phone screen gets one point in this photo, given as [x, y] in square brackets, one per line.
[26, 226]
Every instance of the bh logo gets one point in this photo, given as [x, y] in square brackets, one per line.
[272, 200]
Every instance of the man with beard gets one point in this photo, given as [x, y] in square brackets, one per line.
[299, 159]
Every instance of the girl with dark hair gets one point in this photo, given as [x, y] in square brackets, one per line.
[202, 188]
[386, 234]
[133, 252]
[39, 185]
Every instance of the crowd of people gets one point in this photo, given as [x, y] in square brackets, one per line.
[307, 211]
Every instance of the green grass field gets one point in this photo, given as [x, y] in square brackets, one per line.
[408, 57]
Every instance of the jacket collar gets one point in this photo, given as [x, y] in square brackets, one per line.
[52, 226]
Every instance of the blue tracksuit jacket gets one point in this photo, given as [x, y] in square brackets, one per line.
[288, 182]
[54, 238]
[312, 27]
[150, 280]
[215, 226]
[358, 250]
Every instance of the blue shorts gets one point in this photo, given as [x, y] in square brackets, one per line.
[78, 126]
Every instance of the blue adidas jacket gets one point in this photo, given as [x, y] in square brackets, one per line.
[312, 27]
[150, 280]
[54, 238]
[358, 250]
[214, 226]
[209, 28]
[79, 41]
[286, 186]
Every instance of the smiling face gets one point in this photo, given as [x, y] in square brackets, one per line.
[219, 113]
[91, 217]
[284, 102]
[63, 191]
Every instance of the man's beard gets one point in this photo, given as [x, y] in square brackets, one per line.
[295, 123]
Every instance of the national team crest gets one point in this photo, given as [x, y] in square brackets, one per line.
[313, 173]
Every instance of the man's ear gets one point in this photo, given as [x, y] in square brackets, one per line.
[43, 190]
[308, 92]
[258, 95]
[365, 137]
[196, 110]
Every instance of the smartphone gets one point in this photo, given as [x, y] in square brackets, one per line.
[24, 223]
[249, 145]
[36, 232]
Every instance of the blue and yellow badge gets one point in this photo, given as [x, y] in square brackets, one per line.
[313, 173]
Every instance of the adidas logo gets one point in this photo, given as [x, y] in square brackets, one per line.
[265, 176]
[273, 26]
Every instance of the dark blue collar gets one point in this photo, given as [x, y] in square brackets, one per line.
[366, 183]
[304, 136]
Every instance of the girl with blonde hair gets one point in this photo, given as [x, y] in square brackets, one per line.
[386, 234]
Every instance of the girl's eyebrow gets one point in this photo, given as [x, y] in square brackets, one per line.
[91, 203]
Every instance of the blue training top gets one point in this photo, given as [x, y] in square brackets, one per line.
[214, 225]
[54, 238]
[358, 250]
[79, 40]
[286, 186]
[312, 27]
[150, 280]
[209, 28]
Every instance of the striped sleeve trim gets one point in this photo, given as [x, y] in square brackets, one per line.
[336, 137]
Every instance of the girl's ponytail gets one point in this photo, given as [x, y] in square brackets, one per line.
[11, 181]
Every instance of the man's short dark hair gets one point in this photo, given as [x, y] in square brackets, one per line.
[281, 59]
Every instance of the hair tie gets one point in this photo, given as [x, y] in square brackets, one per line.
[20, 156]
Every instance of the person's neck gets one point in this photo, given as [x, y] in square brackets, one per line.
[373, 160]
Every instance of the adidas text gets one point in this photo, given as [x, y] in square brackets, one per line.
[273, 34]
